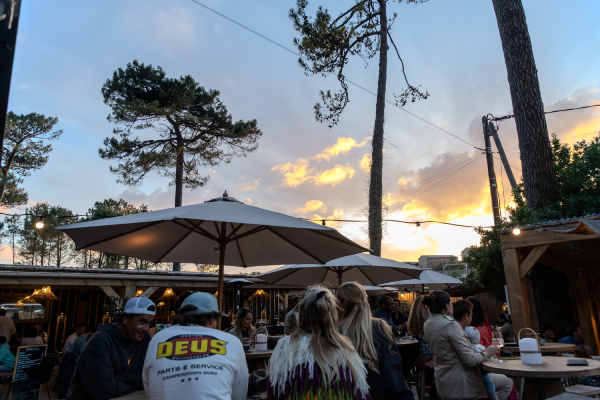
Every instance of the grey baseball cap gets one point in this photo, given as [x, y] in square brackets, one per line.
[140, 305]
[205, 303]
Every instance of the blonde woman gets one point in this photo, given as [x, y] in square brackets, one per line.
[374, 343]
[242, 325]
[316, 361]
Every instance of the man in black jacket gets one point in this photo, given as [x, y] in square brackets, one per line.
[112, 361]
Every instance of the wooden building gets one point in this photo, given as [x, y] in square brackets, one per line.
[83, 292]
[571, 246]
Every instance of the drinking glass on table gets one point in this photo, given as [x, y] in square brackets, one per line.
[499, 343]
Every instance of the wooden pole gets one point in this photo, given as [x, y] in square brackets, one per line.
[586, 312]
[507, 167]
[517, 290]
[491, 173]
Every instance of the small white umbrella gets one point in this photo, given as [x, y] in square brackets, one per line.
[377, 290]
[428, 280]
[221, 231]
[365, 269]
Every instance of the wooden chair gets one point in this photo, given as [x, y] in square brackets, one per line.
[573, 386]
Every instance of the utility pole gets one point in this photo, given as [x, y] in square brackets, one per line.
[509, 173]
[491, 173]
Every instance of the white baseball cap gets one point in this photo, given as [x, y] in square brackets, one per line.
[204, 303]
[140, 305]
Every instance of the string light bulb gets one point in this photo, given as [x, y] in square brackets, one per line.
[40, 223]
[516, 231]
[419, 227]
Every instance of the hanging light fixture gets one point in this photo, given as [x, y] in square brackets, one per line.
[45, 293]
[168, 294]
[40, 223]
[260, 294]
[139, 293]
[161, 304]
[28, 300]
[516, 231]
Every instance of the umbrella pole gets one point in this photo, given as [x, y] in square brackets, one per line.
[222, 247]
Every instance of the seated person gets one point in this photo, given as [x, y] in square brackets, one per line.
[194, 360]
[82, 340]
[547, 335]
[506, 330]
[77, 331]
[574, 335]
[41, 333]
[31, 338]
[7, 326]
[386, 304]
[242, 326]
[7, 359]
[398, 319]
[225, 323]
[291, 318]
[112, 361]
[475, 338]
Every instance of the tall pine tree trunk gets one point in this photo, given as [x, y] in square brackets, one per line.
[534, 143]
[376, 179]
[178, 181]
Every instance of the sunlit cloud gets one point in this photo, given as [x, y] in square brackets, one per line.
[294, 174]
[248, 185]
[335, 175]
[365, 163]
[337, 214]
[312, 205]
[248, 200]
[343, 145]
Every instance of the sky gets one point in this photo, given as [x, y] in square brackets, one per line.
[66, 50]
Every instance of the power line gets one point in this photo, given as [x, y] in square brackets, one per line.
[546, 112]
[396, 220]
[347, 80]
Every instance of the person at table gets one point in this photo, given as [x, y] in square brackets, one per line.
[506, 328]
[316, 360]
[373, 340]
[399, 320]
[481, 323]
[7, 326]
[7, 358]
[77, 331]
[41, 333]
[82, 340]
[111, 363]
[386, 305]
[416, 321]
[574, 335]
[291, 318]
[456, 365]
[31, 338]
[242, 325]
[547, 335]
[475, 338]
[193, 359]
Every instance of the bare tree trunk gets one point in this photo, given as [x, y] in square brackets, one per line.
[178, 182]
[534, 143]
[376, 179]
[13, 248]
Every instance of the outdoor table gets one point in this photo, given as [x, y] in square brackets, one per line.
[409, 350]
[543, 381]
[261, 357]
[137, 395]
[546, 348]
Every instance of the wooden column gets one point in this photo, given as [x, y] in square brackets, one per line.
[585, 311]
[517, 290]
[130, 291]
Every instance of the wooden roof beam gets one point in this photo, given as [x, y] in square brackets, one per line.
[532, 259]
[529, 238]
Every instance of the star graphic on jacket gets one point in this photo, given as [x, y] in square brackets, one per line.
[182, 380]
[189, 379]
[196, 378]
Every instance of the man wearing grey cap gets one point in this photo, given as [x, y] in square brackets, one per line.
[194, 360]
[111, 363]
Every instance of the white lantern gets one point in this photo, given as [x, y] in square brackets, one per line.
[531, 353]
[261, 342]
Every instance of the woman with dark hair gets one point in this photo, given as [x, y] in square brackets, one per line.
[481, 322]
[547, 335]
[242, 325]
[456, 365]
[31, 338]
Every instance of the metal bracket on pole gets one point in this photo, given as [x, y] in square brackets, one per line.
[509, 173]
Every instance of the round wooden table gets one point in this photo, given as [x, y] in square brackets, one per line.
[260, 357]
[543, 381]
[546, 348]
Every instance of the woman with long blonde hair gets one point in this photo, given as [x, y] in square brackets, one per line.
[316, 361]
[374, 343]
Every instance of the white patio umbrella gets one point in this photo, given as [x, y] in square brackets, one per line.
[364, 269]
[377, 290]
[221, 231]
[427, 280]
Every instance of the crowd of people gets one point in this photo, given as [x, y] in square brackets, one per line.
[335, 346]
